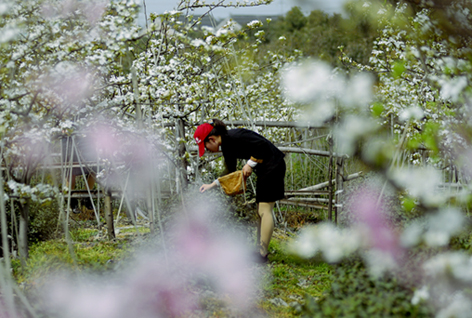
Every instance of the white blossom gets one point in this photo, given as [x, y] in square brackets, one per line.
[420, 295]
[333, 243]
[421, 183]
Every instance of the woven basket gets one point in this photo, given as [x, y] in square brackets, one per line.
[233, 183]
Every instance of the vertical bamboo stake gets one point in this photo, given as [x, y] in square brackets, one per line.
[66, 221]
[14, 224]
[152, 205]
[339, 186]
[95, 210]
[152, 226]
[330, 181]
[123, 191]
[159, 220]
[305, 159]
[5, 288]
[291, 166]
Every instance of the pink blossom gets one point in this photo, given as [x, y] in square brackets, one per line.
[66, 86]
[104, 140]
[378, 231]
[74, 87]
[92, 11]
[224, 257]
[165, 283]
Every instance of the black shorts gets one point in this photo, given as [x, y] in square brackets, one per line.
[270, 185]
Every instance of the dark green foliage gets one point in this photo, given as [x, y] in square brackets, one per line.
[320, 36]
[462, 242]
[354, 293]
[43, 221]
[295, 20]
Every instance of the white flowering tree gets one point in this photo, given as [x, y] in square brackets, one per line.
[415, 123]
[71, 68]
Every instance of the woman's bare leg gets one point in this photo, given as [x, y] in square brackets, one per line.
[266, 227]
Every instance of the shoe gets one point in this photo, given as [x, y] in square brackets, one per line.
[74, 205]
[87, 203]
[259, 259]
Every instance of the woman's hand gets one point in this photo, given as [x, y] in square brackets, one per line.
[247, 170]
[206, 187]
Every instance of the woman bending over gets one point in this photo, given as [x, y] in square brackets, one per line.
[266, 160]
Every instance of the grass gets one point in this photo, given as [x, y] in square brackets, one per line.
[291, 280]
[90, 253]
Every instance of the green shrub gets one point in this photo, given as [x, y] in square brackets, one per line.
[354, 293]
[43, 224]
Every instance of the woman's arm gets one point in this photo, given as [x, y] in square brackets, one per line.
[247, 170]
[210, 186]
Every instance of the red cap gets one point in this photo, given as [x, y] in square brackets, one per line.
[200, 134]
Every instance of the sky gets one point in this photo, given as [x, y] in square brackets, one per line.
[277, 7]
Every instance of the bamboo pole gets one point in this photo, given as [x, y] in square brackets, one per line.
[95, 210]
[5, 288]
[193, 150]
[281, 124]
[299, 193]
[321, 200]
[330, 181]
[304, 204]
[339, 186]
[325, 184]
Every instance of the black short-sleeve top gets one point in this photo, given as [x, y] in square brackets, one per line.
[246, 144]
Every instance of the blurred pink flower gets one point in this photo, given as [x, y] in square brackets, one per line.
[223, 257]
[367, 208]
[91, 11]
[66, 86]
[104, 140]
[94, 11]
[161, 284]
[74, 87]
[4, 312]
[30, 148]
[160, 289]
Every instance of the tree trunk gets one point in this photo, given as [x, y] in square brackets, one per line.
[109, 216]
[23, 237]
[183, 163]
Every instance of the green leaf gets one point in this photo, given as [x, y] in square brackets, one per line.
[377, 109]
[408, 204]
[398, 69]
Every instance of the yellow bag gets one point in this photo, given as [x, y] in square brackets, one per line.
[233, 183]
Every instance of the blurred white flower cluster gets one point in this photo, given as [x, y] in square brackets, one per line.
[396, 127]
[39, 193]
[331, 242]
[326, 91]
[435, 229]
